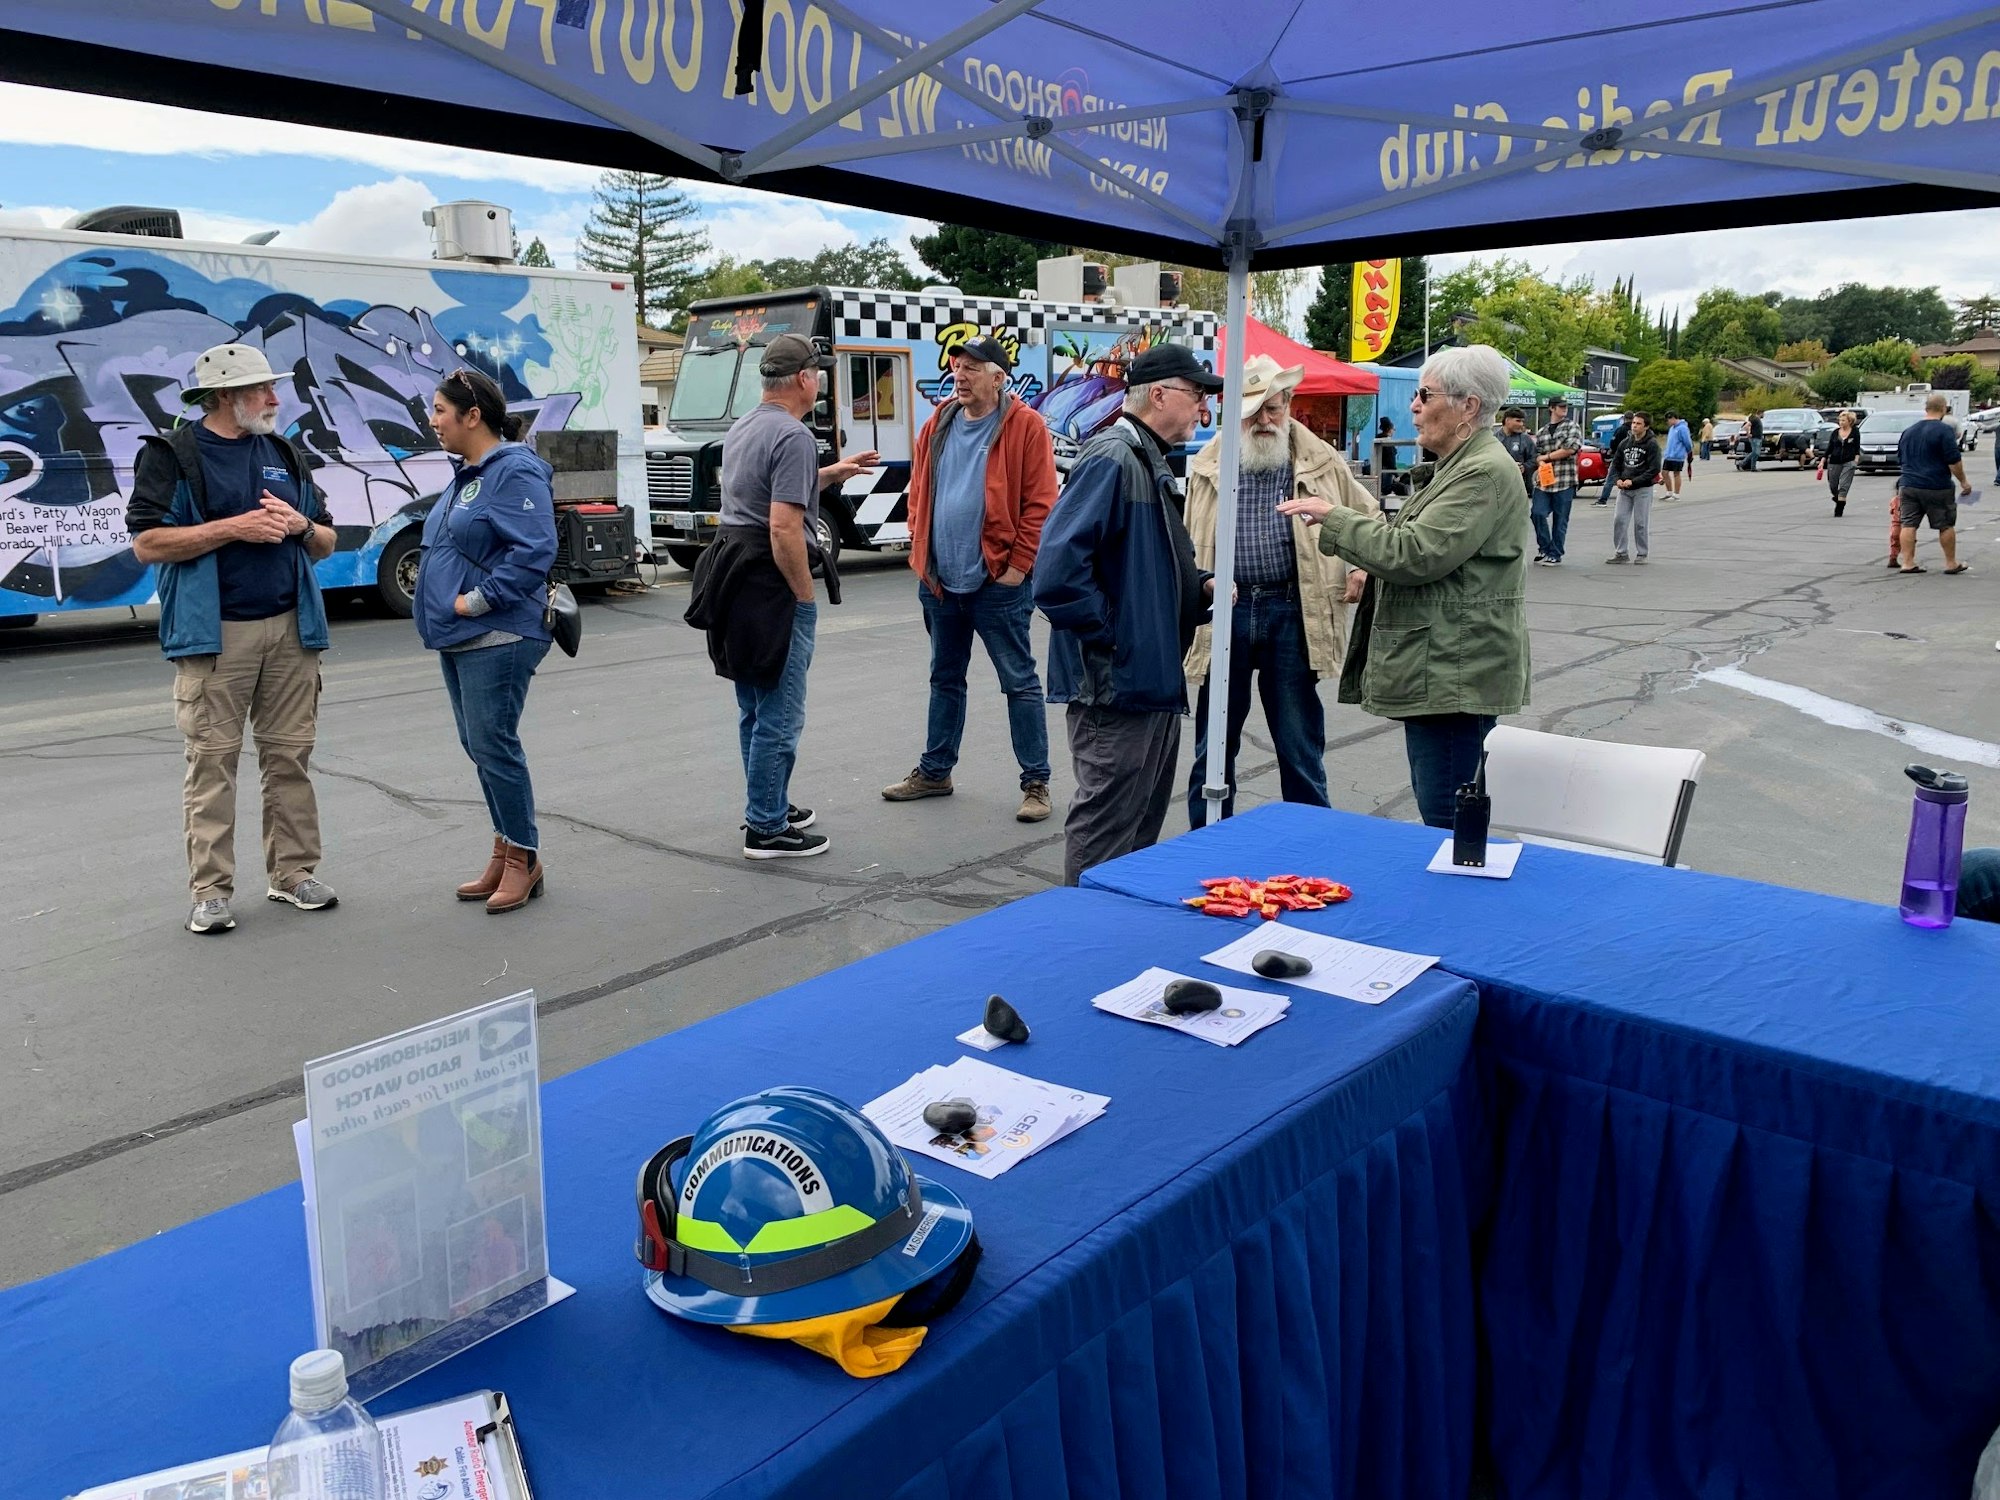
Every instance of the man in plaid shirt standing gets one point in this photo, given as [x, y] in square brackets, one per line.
[1556, 447]
[1289, 625]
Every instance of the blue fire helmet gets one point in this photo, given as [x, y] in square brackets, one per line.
[793, 1205]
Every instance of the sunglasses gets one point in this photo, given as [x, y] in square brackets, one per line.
[1425, 395]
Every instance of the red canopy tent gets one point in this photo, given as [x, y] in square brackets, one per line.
[1321, 399]
[1325, 375]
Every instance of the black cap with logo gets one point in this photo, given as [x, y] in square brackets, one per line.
[990, 350]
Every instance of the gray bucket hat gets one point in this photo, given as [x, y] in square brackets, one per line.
[228, 367]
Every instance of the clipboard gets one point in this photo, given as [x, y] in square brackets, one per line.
[424, 1443]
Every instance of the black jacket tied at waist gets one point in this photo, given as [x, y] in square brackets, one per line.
[743, 602]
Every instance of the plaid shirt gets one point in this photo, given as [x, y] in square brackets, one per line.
[1561, 435]
[1263, 537]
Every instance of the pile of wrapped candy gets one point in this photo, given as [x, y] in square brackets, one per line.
[1233, 896]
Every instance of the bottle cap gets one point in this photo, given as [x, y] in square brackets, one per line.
[319, 1380]
[1938, 786]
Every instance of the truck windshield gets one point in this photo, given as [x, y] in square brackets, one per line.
[701, 389]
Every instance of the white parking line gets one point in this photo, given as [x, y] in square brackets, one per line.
[1844, 715]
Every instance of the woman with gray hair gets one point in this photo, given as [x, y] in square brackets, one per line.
[1441, 634]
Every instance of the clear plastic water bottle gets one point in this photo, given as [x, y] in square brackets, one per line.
[329, 1448]
[1937, 846]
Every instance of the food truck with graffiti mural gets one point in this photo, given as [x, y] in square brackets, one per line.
[892, 367]
[99, 333]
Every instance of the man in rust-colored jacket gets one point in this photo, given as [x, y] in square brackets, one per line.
[981, 484]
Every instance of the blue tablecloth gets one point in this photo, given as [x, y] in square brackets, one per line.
[1252, 1276]
[1746, 1235]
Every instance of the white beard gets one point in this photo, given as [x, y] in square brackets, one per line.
[256, 423]
[1265, 451]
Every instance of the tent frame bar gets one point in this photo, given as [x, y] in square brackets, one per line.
[402, 13]
[895, 47]
[737, 166]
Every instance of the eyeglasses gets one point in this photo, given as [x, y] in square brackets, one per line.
[1195, 391]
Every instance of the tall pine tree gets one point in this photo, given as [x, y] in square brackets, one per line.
[632, 231]
[537, 254]
[1326, 318]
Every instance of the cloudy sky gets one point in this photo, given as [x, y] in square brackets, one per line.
[330, 190]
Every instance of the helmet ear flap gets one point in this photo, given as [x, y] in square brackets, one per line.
[923, 1305]
[655, 1191]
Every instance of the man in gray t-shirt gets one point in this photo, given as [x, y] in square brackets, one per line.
[770, 485]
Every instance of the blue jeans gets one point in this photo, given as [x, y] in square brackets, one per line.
[488, 687]
[1267, 636]
[1444, 752]
[769, 721]
[999, 617]
[1979, 885]
[1550, 512]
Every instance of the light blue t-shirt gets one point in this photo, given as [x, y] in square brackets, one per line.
[958, 502]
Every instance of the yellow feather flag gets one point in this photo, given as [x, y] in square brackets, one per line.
[1377, 295]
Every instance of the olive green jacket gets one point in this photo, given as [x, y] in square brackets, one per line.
[1443, 628]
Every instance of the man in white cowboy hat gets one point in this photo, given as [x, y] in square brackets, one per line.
[1289, 628]
[231, 522]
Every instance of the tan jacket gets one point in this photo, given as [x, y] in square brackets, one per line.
[1317, 470]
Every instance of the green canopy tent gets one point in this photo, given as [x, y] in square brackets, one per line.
[1538, 390]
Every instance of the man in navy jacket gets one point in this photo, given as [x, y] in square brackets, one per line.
[1116, 577]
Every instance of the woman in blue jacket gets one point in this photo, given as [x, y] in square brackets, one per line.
[482, 587]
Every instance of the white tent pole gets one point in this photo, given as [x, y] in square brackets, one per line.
[1215, 779]
[913, 62]
[547, 80]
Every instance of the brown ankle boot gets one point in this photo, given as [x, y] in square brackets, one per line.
[520, 881]
[488, 883]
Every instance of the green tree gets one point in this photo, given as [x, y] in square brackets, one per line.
[1805, 351]
[1962, 372]
[1544, 326]
[1890, 356]
[1459, 293]
[1762, 398]
[875, 264]
[631, 231]
[729, 278]
[1858, 314]
[1837, 384]
[1729, 325]
[1327, 318]
[537, 254]
[982, 264]
[1975, 314]
[1664, 385]
[1800, 319]
[1707, 385]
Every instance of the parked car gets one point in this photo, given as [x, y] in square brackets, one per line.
[1880, 436]
[1986, 421]
[1788, 434]
[1728, 436]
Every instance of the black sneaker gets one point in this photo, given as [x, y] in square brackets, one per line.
[797, 817]
[793, 843]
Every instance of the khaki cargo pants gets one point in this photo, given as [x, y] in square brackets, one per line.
[266, 678]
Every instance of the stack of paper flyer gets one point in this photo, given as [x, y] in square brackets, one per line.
[1242, 1014]
[1353, 971]
[1017, 1115]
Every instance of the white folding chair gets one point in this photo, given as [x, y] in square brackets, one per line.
[1626, 801]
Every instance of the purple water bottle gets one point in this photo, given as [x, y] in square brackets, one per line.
[1937, 840]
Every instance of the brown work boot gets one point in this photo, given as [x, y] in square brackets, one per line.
[916, 786]
[520, 882]
[488, 883]
[1034, 803]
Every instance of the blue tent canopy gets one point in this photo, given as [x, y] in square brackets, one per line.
[1264, 133]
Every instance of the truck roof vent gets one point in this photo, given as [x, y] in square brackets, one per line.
[162, 223]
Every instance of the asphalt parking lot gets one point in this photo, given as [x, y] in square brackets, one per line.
[151, 1076]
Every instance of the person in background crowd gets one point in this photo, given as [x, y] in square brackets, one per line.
[1707, 438]
[1618, 435]
[1441, 638]
[1753, 433]
[1117, 579]
[1289, 625]
[482, 596]
[1520, 445]
[1843, 454]
[980, 489]
[1556, 445]
[1637, 468]
[1928, 456]
[226, 514]
[1679, 449]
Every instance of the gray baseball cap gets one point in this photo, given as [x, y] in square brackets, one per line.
[788, 354]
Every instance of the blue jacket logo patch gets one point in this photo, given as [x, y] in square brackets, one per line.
[469, 494]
